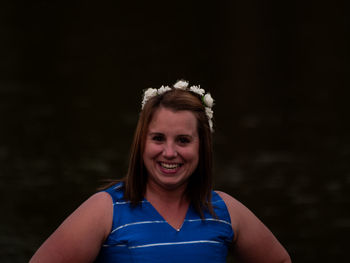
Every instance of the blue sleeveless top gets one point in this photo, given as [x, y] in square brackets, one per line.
[140, 234]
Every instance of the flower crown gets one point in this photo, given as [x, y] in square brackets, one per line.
[206, 98]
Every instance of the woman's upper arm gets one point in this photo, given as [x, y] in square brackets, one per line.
[253, 241]
[80, 236]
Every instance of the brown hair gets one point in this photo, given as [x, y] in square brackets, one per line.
[200, 182]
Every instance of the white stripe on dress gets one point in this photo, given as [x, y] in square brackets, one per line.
[126, 202]
[208, 219]
[163, 221]
[118, 187]
[176, 243]
[138, 223]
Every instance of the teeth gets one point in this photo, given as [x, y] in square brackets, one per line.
[169, 165]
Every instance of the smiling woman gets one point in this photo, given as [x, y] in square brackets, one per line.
[165, 208]
[171, 149]
[196, 106]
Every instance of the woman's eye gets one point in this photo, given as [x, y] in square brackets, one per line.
[184, 140]
[157, 138]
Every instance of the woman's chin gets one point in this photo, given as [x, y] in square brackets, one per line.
[169, 182]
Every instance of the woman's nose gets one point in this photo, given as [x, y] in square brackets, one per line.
[169, 151]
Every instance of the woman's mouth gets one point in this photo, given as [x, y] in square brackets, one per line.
[170, 166]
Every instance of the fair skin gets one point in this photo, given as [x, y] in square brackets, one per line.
[170, 156]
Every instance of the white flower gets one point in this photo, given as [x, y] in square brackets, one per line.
[149, 93]
[197, 90]
[163, 89]
[208, 100]
[181, 84]
[211, 125]
[209, 112]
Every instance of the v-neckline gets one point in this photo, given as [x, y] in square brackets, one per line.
[162, 217]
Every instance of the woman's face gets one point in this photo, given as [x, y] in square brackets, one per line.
[172, 148]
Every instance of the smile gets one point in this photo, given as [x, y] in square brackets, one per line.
[170, 166]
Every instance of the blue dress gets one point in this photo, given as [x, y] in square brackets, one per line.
[140, 234]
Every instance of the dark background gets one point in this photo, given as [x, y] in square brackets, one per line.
[71, 82]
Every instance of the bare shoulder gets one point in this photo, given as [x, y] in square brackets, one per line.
[235, 207]
[253, 241]
[80, 236]
[228, 199]
[236, 210]
[99, 201]
[97, 209]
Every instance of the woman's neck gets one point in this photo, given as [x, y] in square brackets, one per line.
[157, 193]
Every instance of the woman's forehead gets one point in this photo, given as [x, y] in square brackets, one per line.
[166, 120]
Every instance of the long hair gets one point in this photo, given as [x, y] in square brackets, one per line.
[200, 182]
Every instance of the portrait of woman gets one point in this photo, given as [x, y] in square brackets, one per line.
[165, 209]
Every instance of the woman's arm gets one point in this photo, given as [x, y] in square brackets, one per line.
[253, 241]
[80, 236]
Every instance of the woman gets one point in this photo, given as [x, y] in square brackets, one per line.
[165, 209]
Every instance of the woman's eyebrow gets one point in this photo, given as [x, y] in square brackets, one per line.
[162, 134]
[151, 134]
[155, 133]
[185, 135]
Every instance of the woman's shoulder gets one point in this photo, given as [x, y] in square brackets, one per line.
[80, 236]
[230, 201]
[237, 210]
[97, 208]
[115, 191]
[99, 200]
[234, 208]
[254, 242]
